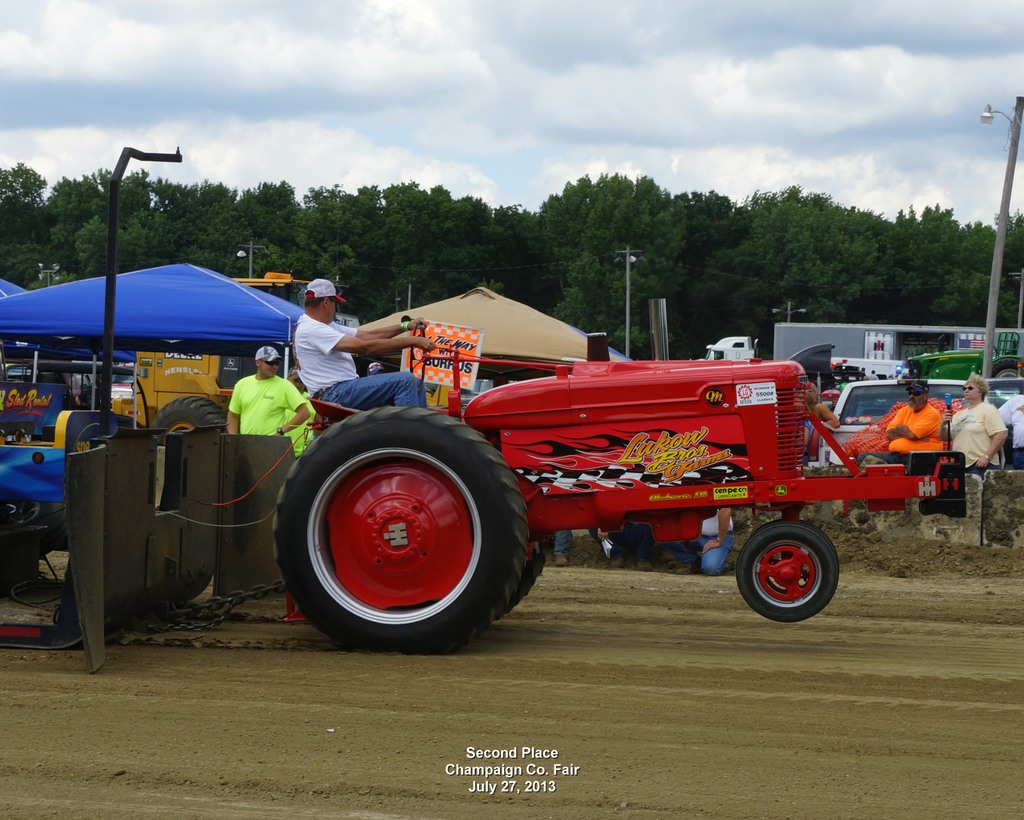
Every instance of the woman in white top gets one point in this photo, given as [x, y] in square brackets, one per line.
[977, 431]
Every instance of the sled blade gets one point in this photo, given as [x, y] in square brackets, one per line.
[86, 525]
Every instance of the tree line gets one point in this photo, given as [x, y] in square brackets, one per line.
[724, 268]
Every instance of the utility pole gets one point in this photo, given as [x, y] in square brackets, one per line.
[631, 255]
[997, 251]
[252, 248]
[1019, 276]
[789, 310]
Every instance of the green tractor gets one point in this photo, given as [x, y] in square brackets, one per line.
[959, 364]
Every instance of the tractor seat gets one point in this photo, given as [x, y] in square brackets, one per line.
[331, 412]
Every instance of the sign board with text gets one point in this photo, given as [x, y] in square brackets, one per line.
[449, 338]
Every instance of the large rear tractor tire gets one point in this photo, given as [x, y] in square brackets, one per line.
[401, 530]
[787, 571]
[532, 570]
[1005, 368]
[189, 412]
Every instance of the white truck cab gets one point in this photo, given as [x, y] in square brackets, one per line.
[733, 348]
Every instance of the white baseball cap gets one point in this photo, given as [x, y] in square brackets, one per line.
[268, 354]
[319, 288]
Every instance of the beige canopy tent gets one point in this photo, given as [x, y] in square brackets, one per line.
[511, 329]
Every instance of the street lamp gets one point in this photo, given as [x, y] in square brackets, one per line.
[242, 254]
[1019, 276]
[44, 271]
[632, 255]
[789, 310]
[1004, 218]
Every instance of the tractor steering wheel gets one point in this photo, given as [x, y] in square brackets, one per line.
[417, 356]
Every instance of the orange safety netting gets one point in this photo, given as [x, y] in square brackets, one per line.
[872, 438]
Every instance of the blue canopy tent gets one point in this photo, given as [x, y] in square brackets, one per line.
[23, 350]
[9, 288]
[174, 308]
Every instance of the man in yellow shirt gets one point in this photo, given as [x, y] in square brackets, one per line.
[264, 404]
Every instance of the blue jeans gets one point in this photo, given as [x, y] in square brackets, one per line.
[638, 537]
[400, 389]
[1018, 458]
[712, 562]
[563, 541]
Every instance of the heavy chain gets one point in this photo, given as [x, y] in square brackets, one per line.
[183, 617]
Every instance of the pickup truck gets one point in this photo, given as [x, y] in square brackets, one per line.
[863, 403]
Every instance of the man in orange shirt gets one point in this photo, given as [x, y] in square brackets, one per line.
[914, 427]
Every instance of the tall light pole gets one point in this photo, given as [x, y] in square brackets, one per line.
[1004, 218]
[789, 310]
[631, 255]
[110, 294]
[252, 248]
[47, 272]
[1019, 276]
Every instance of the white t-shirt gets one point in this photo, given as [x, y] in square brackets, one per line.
[319, 363]
[1012, 412]
[709, 527]
[973, 429]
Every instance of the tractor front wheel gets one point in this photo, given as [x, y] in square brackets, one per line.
[787, 571]
[401, 530]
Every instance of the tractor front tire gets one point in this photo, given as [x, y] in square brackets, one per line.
[401, 530]
[188, 413]
[787, 571]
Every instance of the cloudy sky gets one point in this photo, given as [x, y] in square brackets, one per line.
[874, 103]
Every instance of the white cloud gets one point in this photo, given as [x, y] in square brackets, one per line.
[873, 103]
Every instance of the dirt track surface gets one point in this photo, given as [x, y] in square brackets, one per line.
[662, 695]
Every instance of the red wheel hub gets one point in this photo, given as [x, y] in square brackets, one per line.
[400, 534]
[786, 573]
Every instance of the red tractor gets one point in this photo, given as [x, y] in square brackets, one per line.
[411, 530]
